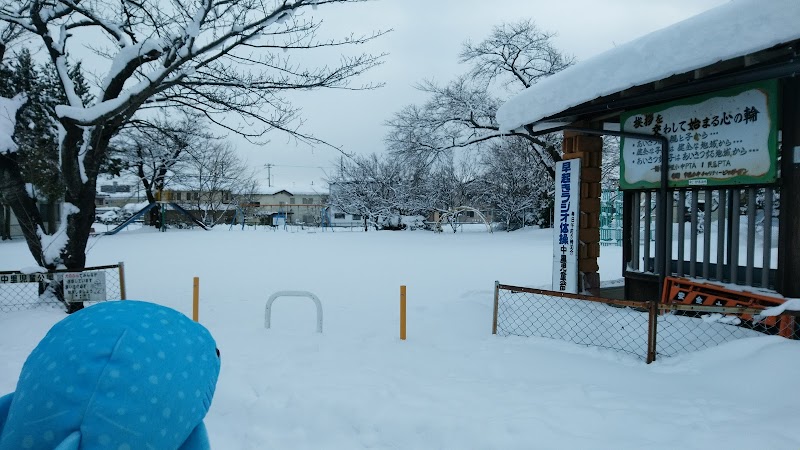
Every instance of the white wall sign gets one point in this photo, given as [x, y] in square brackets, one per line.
[565, 226]
[724, 138]
[85, 286]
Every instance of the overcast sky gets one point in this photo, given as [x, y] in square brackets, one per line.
[425, 43]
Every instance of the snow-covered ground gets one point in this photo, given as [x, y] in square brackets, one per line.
[451, 385]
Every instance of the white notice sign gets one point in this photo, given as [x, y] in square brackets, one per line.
[85, 286]
[724, 138]
[565, 226]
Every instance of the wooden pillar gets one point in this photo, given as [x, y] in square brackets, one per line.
[788, 281]
[589, 150]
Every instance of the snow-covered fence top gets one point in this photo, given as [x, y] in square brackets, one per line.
[645, 330]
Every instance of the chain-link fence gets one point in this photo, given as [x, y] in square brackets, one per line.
[688, 328]
[591, 321]
[643, 329]
[20, 291]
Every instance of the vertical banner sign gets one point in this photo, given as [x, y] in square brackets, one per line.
[724, 138]
[565, 229]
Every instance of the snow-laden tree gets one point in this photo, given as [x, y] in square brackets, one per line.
[451, 183]
[35, 133]
[378, 188]
[463, 113]
[231, 61]
[512, 186]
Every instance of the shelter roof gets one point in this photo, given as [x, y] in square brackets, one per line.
[739, 36]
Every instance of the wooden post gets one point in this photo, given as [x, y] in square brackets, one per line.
[588, 150]
[122, 280]
[402, 313]
[196, 300]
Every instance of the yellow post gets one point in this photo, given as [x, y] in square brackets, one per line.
[196, 300]
[122, 294]
[403, 313]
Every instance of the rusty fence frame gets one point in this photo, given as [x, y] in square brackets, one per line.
[654, 308]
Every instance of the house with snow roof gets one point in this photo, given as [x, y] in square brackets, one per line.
[293, 204]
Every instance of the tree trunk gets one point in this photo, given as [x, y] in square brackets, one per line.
[52, 216]
[5, 222]
[155, 214]
[80, 181]
[12, 189]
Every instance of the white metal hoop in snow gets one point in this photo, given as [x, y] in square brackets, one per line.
[268, 309]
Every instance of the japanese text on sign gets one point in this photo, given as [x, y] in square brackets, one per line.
[565, 236]
[85, 286]
[728, 138]
[12, 278]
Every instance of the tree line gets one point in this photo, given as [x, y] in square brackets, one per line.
[449, 152]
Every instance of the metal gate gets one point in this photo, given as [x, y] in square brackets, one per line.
[726, 234]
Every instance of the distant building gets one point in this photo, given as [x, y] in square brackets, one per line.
[298, 205]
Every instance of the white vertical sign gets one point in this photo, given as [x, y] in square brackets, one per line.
[565, 227]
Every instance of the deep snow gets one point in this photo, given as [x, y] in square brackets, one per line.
[451, 385]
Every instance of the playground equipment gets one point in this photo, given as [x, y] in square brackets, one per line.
[240, 216]
[146, 209]
[452, 216]
[325, 219]
[271, 300]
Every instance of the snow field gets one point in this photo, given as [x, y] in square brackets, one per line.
[451, 384]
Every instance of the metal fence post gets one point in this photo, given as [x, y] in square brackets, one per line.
[652, 331]
[496, 302]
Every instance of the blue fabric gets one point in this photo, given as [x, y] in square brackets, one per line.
[117, 375]
[5, 404]
[198, 440]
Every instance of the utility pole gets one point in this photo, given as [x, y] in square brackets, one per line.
[269, 174]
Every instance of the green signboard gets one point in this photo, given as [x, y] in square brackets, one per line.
[724, 138]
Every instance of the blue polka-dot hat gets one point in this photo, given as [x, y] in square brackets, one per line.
[121, 375]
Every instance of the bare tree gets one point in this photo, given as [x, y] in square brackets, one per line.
[155, 151]
[220, 58]
[216, 177]
[463, 113]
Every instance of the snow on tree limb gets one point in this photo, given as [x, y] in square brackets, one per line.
[8, 120]
[54, 245]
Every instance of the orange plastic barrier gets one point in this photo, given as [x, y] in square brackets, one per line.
[689, 292]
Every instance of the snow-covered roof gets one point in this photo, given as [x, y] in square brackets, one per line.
[295, 190]
[734, 29]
